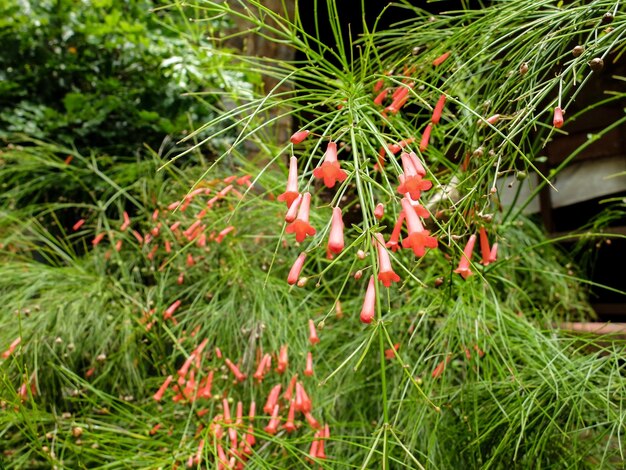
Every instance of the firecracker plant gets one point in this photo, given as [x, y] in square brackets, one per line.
[360, 296]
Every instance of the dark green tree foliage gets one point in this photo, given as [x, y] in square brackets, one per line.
[105, 74]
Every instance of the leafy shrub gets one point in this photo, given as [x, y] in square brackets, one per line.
[106, 74]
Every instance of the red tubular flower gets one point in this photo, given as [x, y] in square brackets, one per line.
[493, 120]
[272, 427]
[313, 338]
[301, 226]
[411, 181]
[184, 369]
[171, 309]
[292, 212]
[324, 434]
[161, 391]
[394, 239]
[291, 192]
[289, 392]
[272, 399]
[12, 347]
[299, 136]
[335, 238]
[330, 171]
[418, 238]
[386, 275]
[369, 303]
[289, 425]
[425, 138]
[485, 251]
[204, 390]
[381, 97]
[126, 223]
[379, 84]
[296, 269]
[441, 367]
[391, 352]
[558, 118]
[283, 360]
[78, 224]
[464, 265]
[239, 376]
[303, 402]
[313, 449]
[379, 211]
[223, 233]
[438, 109]
[312, 421]
[308, 371]
[441, 59]
[260, 371]
[98, 238]
[494, 253]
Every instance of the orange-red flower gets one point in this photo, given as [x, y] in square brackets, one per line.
[369, 303]
[440, 60]
[558, 117]
[313, 338]
[272, 399]
[438, 109]
[291, 193]
[330, 170]
[308, 370]
[335, 239]
[301, 226]
[386, 274]
[411, 181]
[425, 138]
[418, 238]
[296, 269]
[379, 211]
[299, 136]
[394, 239]
[464, 265]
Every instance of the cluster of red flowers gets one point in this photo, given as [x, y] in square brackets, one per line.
[232, 439]
[488, 254]
[169, 229]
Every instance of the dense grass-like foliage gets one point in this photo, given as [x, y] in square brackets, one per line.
[452, 372]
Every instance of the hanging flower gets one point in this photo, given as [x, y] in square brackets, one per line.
[301, 226]
[272, 399]
[441, 59]
[303, 402]
[159, 394]
[291, 193]
[379, 211]
[381, 97]
[485, 251]
[425, 138]
[283, 360]
[299, 136]
[272, 427]
[313, 338]
[292, 212]
[308, 370]
[464, 265]
[438, 109]
[335, 239]
[558, 117]
[296, 269]
[411, 181]
[386, 275]
[369, 303]
[289, 392]
[239, 376]
[289, 425]
[330, 171]
[418, 238]
[394, 239]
